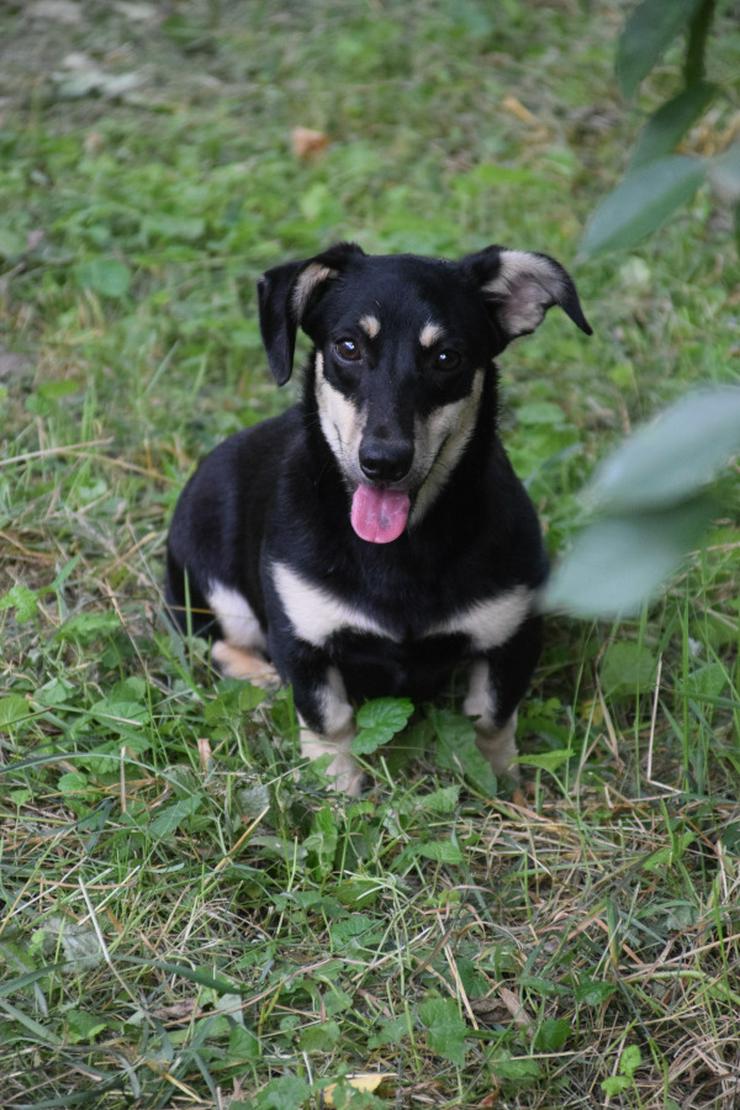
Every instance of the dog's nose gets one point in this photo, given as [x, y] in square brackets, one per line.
[385, 460]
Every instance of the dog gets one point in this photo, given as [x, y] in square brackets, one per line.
[374, 537]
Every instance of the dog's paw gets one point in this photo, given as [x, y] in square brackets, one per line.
[235, 662]
[345, 772]
[499, 747]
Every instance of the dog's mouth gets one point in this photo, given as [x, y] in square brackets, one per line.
[379, 515]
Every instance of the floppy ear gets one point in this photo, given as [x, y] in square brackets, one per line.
[284, 293]
[520, 286]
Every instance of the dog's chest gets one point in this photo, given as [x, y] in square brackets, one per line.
[423, 621]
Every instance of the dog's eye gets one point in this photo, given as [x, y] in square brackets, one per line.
[348, 350]
[447, 360]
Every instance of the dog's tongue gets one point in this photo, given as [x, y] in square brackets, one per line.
[379, 515]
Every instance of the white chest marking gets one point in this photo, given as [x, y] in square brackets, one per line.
[488, 623]
[238, 622]
[317, 614]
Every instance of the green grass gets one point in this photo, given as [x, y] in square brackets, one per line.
[187, 919]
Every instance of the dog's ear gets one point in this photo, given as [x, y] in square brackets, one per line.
[284, 294]
[520, 286]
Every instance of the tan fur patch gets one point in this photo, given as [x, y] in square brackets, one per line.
[430, 333]
[234, 662]
[370, 325]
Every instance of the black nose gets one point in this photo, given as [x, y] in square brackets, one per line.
[385, 460]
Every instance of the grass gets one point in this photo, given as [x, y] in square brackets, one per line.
[187, 920]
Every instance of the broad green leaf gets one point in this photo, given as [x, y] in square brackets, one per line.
[289, 1092]
[670, 854]
[23, 600]
[456, 749]
[379, 721]
[547, 761]
[522, 1070]
[616, 565]
[615, 1085]
[82, 1026]
[669, 124]
[626, 668]
[445, 1028]
[243, 1045]
[641, 202]
[592, 992]
[322, 840]
[171, 817]
[552, 1035]
[107, 276]
[73, 783]
[357, 892]
[649, 29]
[440, 801]
[630, 1060]
[442, 851]
[319, 1038]
[85, 627]
[13, 708]
[672, 457]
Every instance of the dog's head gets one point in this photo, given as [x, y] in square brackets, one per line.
[402, 344]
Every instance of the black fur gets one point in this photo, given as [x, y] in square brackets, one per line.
[277, 493]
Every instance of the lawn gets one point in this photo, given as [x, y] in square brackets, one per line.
[190, 917]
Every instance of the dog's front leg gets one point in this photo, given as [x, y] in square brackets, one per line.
[496, 684]
[324, 713]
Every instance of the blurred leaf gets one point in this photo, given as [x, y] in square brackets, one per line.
[669, 124]
[439, 801]
[546, 761]
[592, 992]
[322, 840]
[649, 29]
[445, 1028]
[23, 600]
[366, 1082]
[641, 202]
[171, 817]
[85, 627]
[379, 721]
[725, 172]
[13, 708]
[243, 1045]
[82, 1026]
[672, 457]
[107, 276]
[626, 668]
[616, 565]
[441, 851]
[552, 1035]
[319, 1038]
[522, 1070]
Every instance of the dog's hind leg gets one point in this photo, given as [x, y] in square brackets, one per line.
[237, 662]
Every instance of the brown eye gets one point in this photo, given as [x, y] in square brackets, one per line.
[348, 350]
[447, 360]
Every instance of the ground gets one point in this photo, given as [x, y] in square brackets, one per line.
[189, 921]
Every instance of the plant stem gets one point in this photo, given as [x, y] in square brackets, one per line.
[697, 41]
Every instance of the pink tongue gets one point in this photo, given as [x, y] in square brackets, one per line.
[379, 515]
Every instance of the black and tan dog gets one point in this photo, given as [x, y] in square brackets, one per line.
[374, 537]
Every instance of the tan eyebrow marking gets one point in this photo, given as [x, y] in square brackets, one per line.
[430, 333]
[370, 325]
